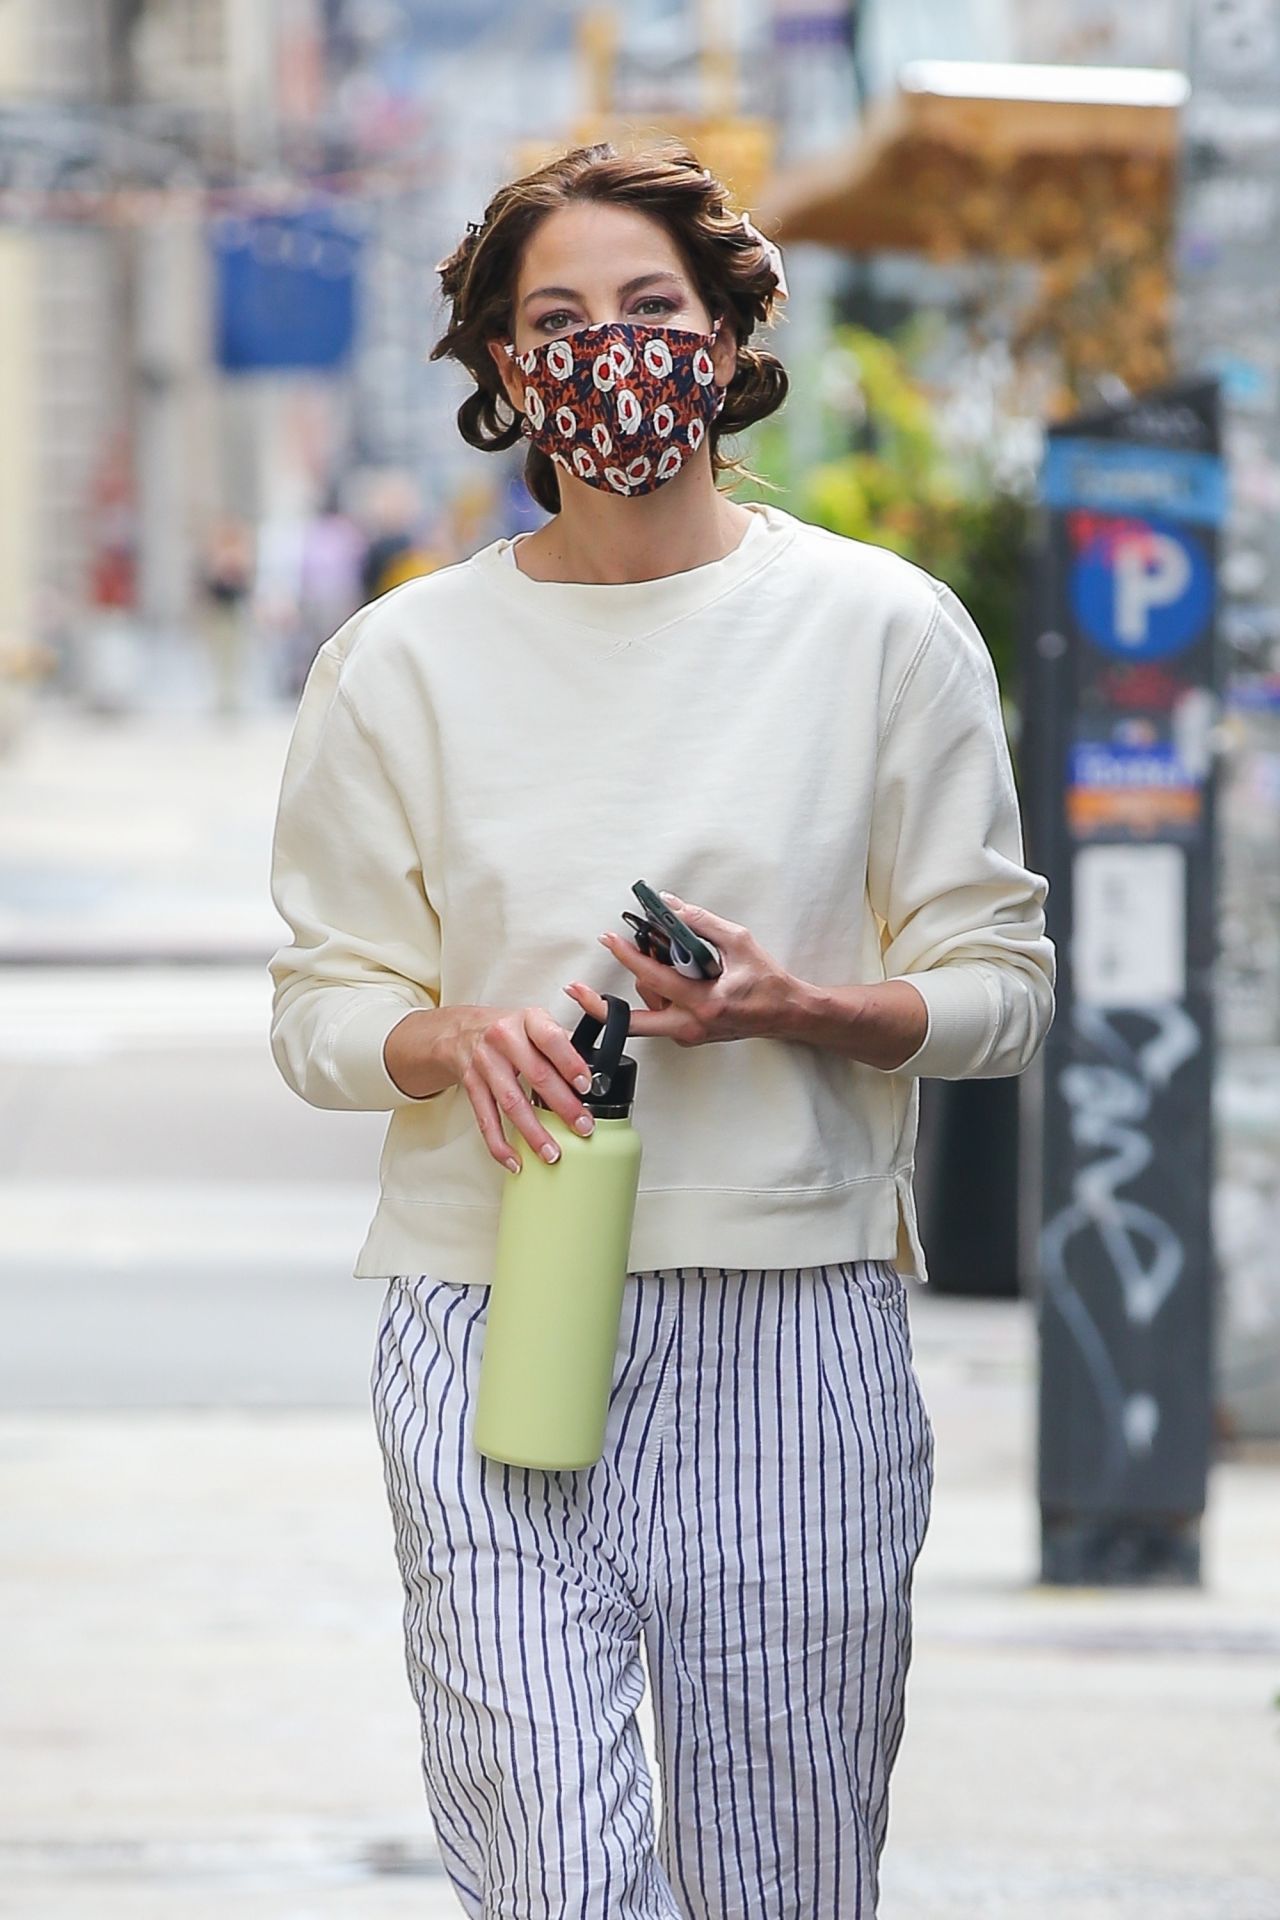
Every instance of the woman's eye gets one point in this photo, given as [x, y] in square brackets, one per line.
[656, 300]
[554, 321]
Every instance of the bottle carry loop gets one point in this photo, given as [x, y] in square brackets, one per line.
[603, 1060]
[613, 1072]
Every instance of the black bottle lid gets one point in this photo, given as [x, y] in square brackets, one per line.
[613, 1072]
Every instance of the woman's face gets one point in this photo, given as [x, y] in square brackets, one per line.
[588, 264]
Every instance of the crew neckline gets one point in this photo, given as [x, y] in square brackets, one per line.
[630, 608]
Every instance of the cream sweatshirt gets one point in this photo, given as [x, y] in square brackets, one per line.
[803, 736]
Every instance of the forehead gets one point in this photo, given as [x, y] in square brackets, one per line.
[594, 246]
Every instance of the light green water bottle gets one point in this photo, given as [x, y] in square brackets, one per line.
[555, 1304]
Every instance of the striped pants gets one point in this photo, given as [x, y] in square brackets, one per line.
[754, 1522]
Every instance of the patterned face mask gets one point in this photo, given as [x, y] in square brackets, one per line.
[622, 406]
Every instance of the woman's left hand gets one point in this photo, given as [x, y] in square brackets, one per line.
[746, 1002]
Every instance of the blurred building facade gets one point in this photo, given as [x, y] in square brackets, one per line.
[118, 115]
[137, 126]
[1227, 326]
[61, 318]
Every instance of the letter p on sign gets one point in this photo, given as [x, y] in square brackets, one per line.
[1142, 589]
[1151, 570]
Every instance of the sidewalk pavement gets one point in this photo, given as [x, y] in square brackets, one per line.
[142, 836]
[206, 1711]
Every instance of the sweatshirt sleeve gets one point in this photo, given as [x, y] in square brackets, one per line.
[346, 878]
[963, 917]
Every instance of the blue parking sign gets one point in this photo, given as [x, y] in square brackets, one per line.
[1141, 589]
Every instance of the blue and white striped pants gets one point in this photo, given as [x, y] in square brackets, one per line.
[754, 1521]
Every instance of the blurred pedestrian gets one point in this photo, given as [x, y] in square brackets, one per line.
[331, 556]
[225, 590]
[109, 667]
[803, 732]
[398, 548]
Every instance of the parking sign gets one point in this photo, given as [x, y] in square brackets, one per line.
[1142, 589]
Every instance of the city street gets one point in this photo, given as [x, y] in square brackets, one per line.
[887, 401]
[205, 1709]
[206, 1712]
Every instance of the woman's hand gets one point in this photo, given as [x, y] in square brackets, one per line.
[501, 1045]
[484, 1050]
[746, 1002]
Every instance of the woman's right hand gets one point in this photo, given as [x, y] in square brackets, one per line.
[487, 1049]
[494, 1050]
[484, 1049]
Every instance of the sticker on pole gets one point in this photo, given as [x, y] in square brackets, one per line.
[1131, 788]
[1140, 589]
[1129, 931]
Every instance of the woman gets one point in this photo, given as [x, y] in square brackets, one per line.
[801, 735]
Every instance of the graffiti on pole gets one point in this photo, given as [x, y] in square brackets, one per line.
[1136, 1255]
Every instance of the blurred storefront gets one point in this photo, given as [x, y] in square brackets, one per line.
[170, 175]
[1130, 204]
[1229, 245]
[61, 321]
[1109, 33]
[1073, 172]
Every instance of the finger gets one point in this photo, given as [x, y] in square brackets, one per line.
[542, 1073]
[488, 1120]
[628, 952]
[591, 1003]
[663, 1019]
[701, 919]
[589, 1000]
[514, 1103]
[551, 1039]
[667, 1023]
[650, 973]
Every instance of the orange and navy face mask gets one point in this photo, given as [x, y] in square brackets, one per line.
[622, 406]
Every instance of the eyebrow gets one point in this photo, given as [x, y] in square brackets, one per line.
[631, 286]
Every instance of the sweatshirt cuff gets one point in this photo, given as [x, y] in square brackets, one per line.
[355, 1052]
[961, 1023]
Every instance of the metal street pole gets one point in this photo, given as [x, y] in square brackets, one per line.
[1120, 683]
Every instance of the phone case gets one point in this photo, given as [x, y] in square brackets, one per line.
[690, 955]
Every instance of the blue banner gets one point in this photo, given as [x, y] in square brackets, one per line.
[1110, 477]
[285, 290]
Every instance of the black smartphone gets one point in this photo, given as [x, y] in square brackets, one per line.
[670, 940]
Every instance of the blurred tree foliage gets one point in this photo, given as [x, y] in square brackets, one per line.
[896, 485]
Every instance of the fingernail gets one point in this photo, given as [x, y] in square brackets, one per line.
[551, 1153]
[584, 1124]
[583, 1083]
[513, 1166]
[603, 938]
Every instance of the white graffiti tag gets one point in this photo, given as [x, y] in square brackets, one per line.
[1109, 1100]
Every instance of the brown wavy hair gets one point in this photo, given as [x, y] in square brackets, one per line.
[729, 267]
